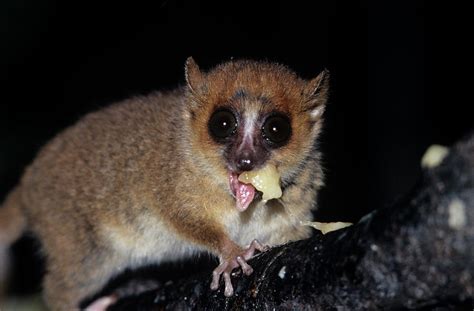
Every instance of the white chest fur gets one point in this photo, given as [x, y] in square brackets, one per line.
[267, 222]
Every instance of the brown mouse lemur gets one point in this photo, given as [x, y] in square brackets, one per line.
[155, 178]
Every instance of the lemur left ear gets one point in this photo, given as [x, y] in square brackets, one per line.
[316, 95]
[195, 79]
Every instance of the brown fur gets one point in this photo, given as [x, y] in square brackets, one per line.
[141, 181]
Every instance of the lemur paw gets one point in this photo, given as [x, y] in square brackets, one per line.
[234, 260]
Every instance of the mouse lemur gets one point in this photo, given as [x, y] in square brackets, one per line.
[157, 178]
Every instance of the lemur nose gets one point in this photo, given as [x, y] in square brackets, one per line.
[245, 160]
[245, 164]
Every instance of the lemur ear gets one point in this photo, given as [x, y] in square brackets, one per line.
[194, 77]
[316, 95]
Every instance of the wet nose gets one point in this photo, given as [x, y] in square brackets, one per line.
[245, 161]
[245, 164]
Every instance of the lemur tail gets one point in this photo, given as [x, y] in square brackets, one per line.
[12, 225]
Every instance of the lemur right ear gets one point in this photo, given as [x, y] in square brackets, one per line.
[194, 77]
[316, 92]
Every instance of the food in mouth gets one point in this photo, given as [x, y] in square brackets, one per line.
[265, 180]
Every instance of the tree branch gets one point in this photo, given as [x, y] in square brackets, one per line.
[417, 253]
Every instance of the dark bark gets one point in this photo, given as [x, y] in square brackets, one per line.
[418, 253]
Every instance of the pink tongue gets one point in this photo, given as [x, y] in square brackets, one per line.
[244, 193]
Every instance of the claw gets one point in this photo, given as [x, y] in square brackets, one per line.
[255, 245]
[246, 268]
[258, 246]
[216, 274]
[229, 289]
[215, 280]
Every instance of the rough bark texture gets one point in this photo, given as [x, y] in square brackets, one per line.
[418, 253]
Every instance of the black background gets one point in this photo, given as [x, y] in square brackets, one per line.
[394, 86]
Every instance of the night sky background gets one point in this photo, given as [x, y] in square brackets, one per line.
[394, 90]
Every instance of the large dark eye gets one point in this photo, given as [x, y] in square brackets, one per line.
[222, 124]
[276, 130]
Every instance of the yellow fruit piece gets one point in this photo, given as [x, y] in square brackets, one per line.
[266, 180]
[433, 156]
[326, 227]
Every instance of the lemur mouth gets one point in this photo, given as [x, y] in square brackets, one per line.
[243, 193]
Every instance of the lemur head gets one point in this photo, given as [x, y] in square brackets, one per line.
[245, 114]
